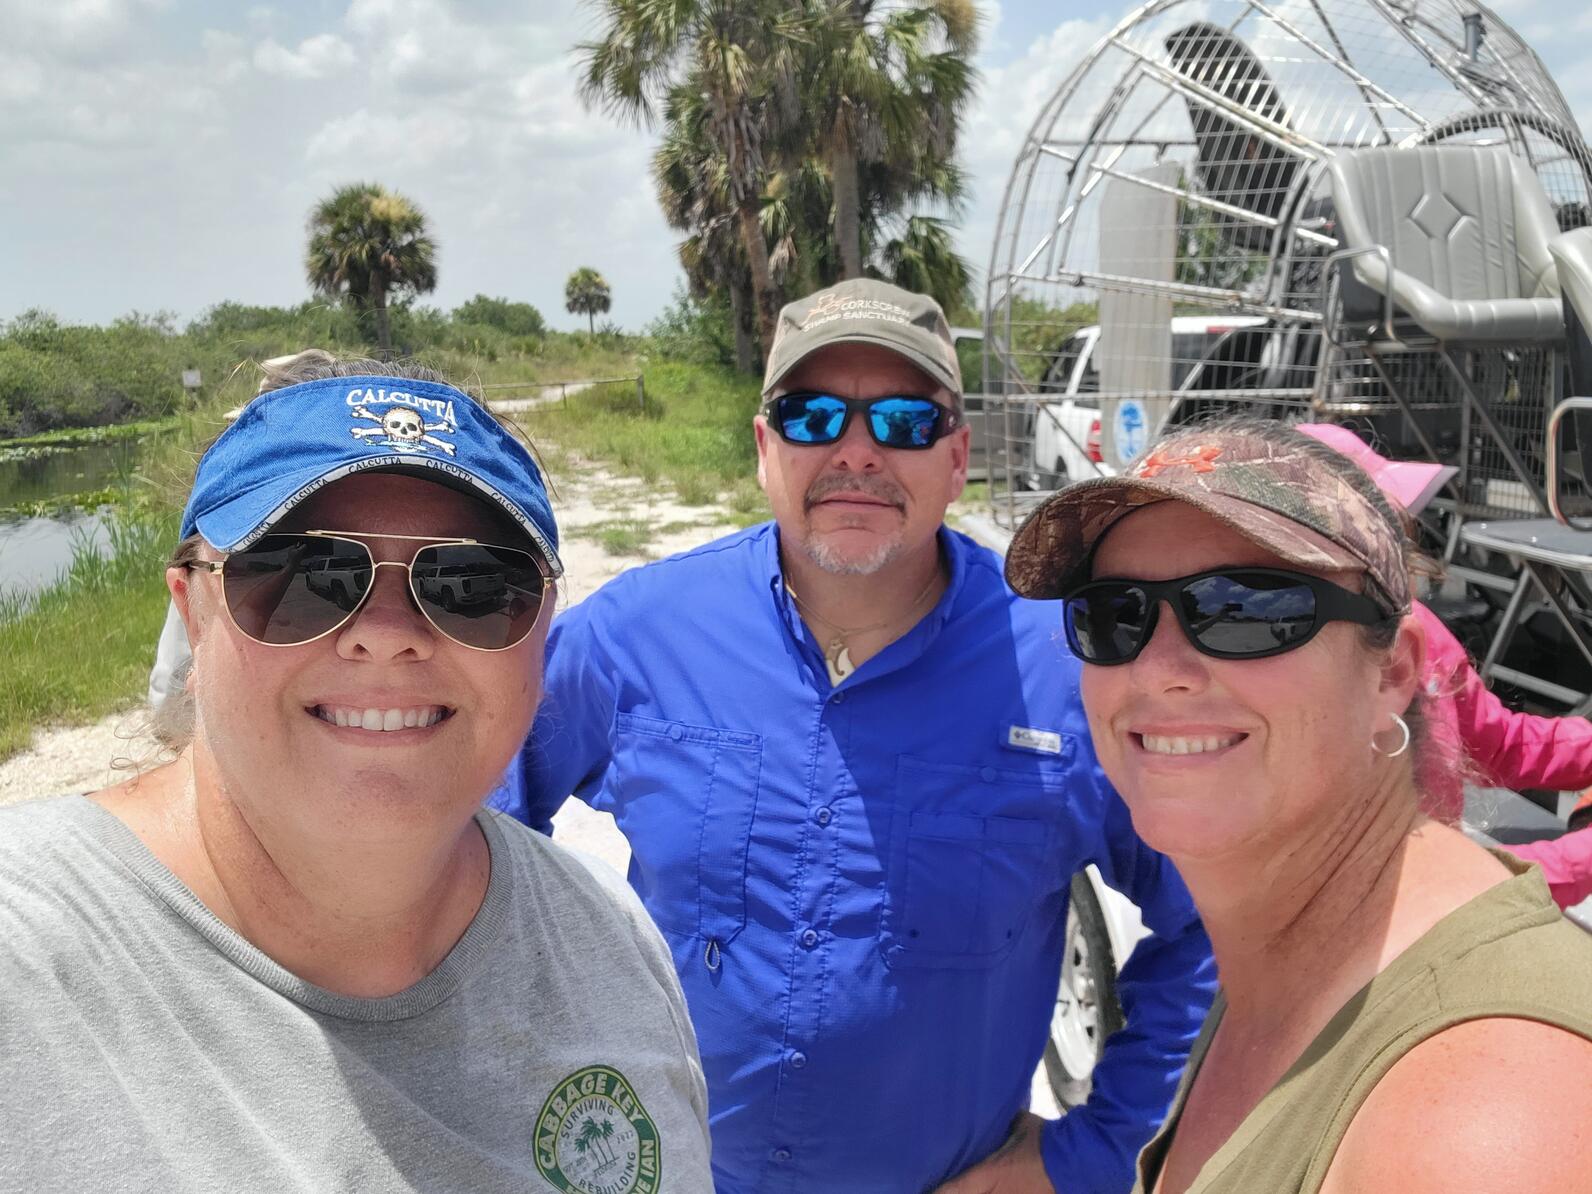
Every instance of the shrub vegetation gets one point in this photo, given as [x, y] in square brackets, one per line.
[56, 375]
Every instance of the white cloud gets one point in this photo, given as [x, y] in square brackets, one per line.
[158, 164]
[318, 57]
[1012, 95]
[73, 30]
[21, 79]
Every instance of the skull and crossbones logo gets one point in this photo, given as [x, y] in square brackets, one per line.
[401, 428]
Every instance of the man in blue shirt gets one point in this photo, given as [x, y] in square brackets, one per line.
[856, 779]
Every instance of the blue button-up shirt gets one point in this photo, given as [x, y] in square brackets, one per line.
[864, 888]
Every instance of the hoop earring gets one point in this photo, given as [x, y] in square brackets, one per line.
[1404, 728]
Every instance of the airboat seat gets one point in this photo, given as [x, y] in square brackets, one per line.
[1555, 563]
[1572, 257]
[1466, 231]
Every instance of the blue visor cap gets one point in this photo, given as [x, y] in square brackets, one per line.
[288, 443]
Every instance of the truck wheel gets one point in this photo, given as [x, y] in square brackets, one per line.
[1087, 1010]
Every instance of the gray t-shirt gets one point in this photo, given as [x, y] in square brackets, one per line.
[145, 1046]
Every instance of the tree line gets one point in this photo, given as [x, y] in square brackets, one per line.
[56, 375]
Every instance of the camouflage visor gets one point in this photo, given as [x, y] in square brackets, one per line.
[865, 311]
[1280, 497]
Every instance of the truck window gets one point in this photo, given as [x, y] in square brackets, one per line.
[1188, 350]
[1089, 383]
[1058, 374]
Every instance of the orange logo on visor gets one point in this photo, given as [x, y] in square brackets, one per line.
[1198, 459]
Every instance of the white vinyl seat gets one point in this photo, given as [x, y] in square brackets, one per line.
[1467, 230]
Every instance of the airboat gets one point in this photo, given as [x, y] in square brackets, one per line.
[1358, 211]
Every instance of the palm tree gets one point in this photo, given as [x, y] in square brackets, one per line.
[368, 243]
[914, 251]
[743, 55]
[594, 1136]
[923, 259]
[692, 181]
[586, 293]
[888, 82]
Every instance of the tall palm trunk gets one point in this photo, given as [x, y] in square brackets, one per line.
[378, 302]
[591, 324]
[741, 320]
[848, 216]
[762, 279]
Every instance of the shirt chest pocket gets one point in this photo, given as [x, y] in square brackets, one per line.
[686, 798]
[972, 854]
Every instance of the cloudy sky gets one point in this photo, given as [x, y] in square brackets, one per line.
[164, 154]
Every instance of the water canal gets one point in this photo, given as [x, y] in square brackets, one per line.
[37, 537]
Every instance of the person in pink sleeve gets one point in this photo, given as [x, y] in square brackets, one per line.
[1469, 730]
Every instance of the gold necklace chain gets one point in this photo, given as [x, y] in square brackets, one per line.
[796, 597]
[837, 656]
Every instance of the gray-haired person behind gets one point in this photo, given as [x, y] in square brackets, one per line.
[301, 956]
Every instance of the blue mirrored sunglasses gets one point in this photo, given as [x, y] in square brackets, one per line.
[894, 421]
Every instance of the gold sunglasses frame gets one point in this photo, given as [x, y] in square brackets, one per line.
[216, 566]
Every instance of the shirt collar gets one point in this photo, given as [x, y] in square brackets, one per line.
[952, 547]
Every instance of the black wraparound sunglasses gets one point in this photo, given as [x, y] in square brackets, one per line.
[895, 420]
[287, 590]
[1227, 613]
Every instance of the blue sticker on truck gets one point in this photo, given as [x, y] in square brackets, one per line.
[1130, 430]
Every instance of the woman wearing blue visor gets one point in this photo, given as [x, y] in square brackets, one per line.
[300, 956]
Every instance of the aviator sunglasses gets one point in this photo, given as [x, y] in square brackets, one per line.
[1227, 613]
[287, 590]
[894, 421]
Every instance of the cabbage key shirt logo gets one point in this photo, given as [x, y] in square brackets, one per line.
[594, 1137]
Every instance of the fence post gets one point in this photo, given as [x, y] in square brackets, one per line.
[641, 393]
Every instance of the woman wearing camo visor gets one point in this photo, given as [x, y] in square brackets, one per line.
[300, 957]
[1399, 1009]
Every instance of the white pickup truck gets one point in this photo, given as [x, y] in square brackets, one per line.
[1071, 426]
[1066, 441]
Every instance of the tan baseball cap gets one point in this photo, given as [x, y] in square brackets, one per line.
[865, 311]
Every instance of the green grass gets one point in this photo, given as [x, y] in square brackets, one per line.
[82, 647]
[695, 431]
[622, 537]
[33, 446]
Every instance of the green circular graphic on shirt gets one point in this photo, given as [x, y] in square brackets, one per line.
[593, 1136]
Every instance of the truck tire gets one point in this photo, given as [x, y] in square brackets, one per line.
[1087, 1010]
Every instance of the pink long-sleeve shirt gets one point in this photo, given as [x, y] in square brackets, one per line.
[1471, 731]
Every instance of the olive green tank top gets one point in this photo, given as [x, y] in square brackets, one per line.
[1507, 952]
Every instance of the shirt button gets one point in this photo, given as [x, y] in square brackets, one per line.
[987, 774]
[824, 815]
[782, 1155]
[797, 1060]
[809, 939]
[838, 697]
[676, 733]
